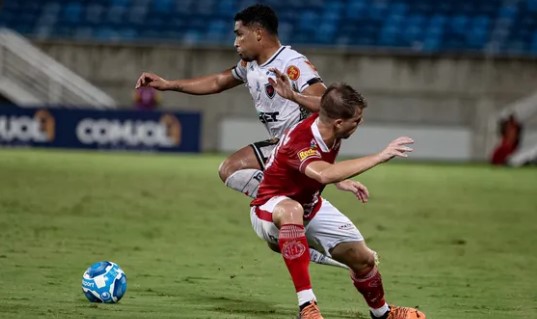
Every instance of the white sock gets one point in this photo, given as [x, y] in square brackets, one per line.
[305, 296]
[318, 258]
[380, 311]
[245, 181]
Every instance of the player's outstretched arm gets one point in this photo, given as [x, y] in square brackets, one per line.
[203, 85]
[310, 98]
[327, 173]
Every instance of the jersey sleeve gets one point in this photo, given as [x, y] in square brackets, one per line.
[299, 155]
[239, 71]
[302, 73]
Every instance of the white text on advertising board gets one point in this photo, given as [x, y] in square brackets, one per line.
[128, 132]
[37, 129]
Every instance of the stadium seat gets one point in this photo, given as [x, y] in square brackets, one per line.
[423, 25]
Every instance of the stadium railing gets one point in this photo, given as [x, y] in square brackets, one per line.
[28, 76]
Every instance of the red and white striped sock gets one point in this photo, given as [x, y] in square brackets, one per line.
[295, 251]
[370, 286]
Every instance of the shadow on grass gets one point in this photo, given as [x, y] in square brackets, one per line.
[255, 308]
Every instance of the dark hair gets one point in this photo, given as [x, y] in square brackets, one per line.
[260, 14]
[340, 101]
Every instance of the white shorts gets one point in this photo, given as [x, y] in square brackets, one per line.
[328, 228]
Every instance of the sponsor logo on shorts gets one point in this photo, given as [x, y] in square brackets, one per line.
[347, 226]
[293, 249]
[308, 153]
[293, 72]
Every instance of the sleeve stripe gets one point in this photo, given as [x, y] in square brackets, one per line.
[236, 75]
[310, 82]
[302, 167]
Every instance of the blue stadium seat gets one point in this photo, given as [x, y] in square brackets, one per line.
[227, 8]
[423, 25]
[532, 5]
[162, 6]
[534, 42]
[72, 12]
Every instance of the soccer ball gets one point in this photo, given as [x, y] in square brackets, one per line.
[105, 282]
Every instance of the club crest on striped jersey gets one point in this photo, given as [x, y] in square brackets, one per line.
[293, 72]
[269, 89]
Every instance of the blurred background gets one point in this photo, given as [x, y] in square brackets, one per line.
[459, 76]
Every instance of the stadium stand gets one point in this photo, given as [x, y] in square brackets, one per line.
[429, 26]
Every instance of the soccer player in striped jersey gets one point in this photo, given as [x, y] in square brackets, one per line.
[260, 52]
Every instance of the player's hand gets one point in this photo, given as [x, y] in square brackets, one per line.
[281, 84]
[397, 147]
[357, 188]
[152, 80]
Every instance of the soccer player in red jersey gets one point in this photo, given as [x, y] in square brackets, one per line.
[289, 210]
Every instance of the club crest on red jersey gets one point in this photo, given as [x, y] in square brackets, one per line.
[293, 73]
[269, 89]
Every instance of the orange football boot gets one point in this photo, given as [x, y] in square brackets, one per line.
[403, 313]
[311, 311]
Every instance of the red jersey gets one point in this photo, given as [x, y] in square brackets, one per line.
[285, 169]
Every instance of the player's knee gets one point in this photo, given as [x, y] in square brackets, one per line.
[361, 260]
[365, 264]
[226, 168]
[288, 212]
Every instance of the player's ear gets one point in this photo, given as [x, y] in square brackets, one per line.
[338, 123]
[258, 34]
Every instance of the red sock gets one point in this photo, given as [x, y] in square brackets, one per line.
[296, 254]
[370, 286]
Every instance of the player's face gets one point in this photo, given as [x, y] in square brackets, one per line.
[346, 127]
[245, 41]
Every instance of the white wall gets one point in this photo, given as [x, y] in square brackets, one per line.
[449, 91]
[431, 142]
[529, 139]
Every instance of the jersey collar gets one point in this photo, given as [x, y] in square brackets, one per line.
[274, 56]
[317, 136]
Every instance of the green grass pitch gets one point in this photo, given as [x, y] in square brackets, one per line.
[459, 241]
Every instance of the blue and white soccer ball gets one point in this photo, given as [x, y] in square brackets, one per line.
[105, 282]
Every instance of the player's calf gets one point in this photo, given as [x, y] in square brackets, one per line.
[242, 172]
[364, 274]
[245, 181]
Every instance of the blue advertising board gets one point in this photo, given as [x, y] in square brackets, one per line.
[94, 129]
